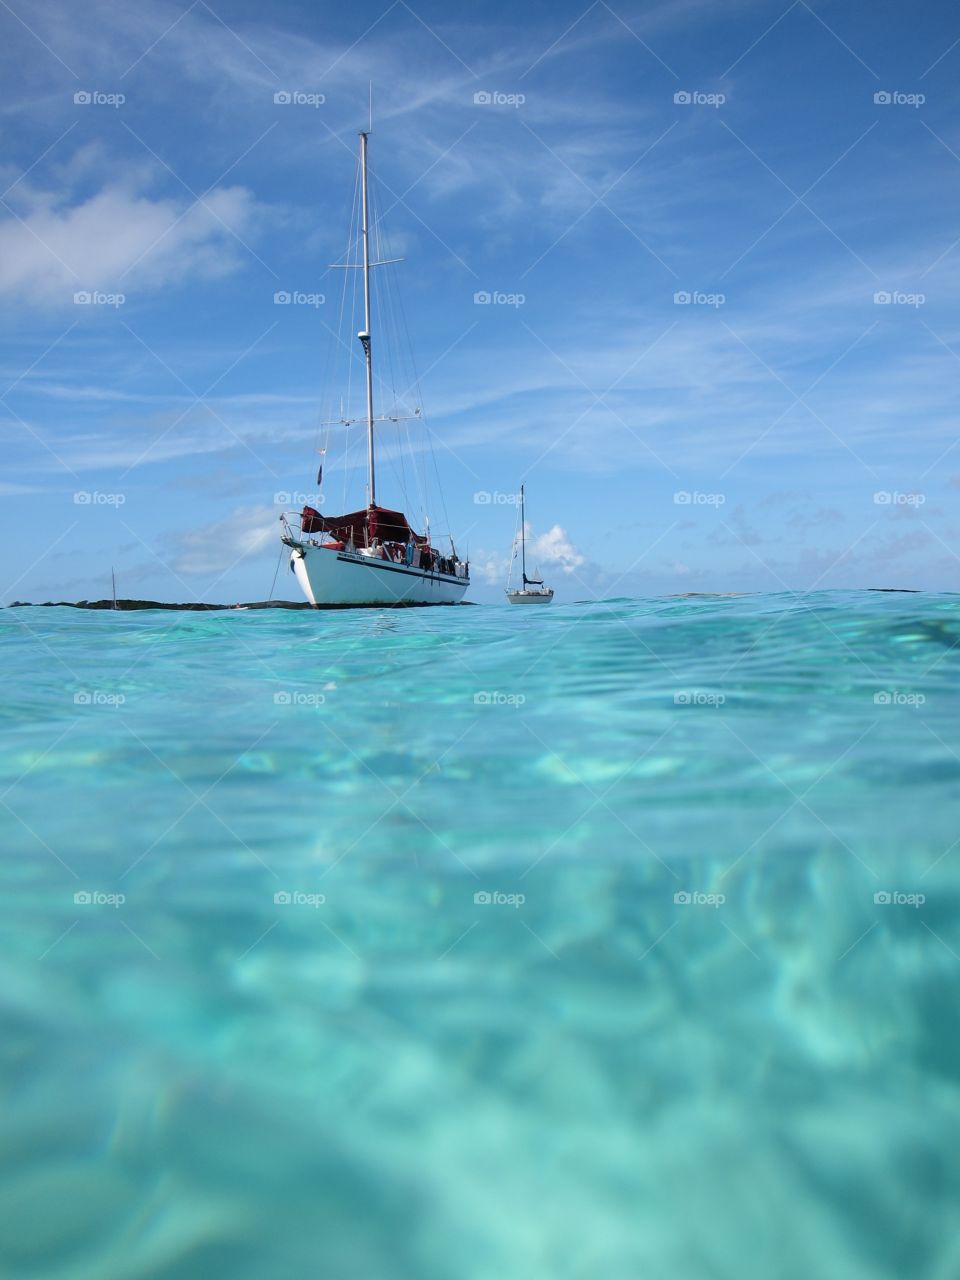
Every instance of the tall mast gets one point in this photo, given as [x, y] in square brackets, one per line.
[523, 539]
[365, 335]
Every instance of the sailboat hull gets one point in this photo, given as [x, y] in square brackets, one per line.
[332, 579]
[530, 597]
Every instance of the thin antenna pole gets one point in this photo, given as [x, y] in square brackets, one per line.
[113, 580]
[365, 335]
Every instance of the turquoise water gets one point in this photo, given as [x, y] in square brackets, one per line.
[387, 1076]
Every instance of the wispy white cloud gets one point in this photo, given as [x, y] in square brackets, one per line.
[217, 547]
[118, 242]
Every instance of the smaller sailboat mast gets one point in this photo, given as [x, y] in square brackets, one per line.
[523, 540]
[531, 590]
[533, 582]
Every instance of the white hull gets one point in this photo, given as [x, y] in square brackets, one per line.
[530, 597]
[331, 579]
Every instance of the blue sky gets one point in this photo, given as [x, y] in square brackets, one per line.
[731, 152]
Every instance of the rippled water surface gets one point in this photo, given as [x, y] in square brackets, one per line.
[610, 941]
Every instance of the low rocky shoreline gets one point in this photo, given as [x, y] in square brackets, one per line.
[161, 604]
[155, 604]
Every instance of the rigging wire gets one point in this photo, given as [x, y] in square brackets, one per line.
[276, 572]
[430, 451]
[399, 330]
[334, 360]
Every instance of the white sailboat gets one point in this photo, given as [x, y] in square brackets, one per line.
[532, 590]
[369, 557]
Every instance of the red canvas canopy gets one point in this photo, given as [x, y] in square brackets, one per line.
[388, 526]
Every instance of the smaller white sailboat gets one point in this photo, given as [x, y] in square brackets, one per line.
[532, 590]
